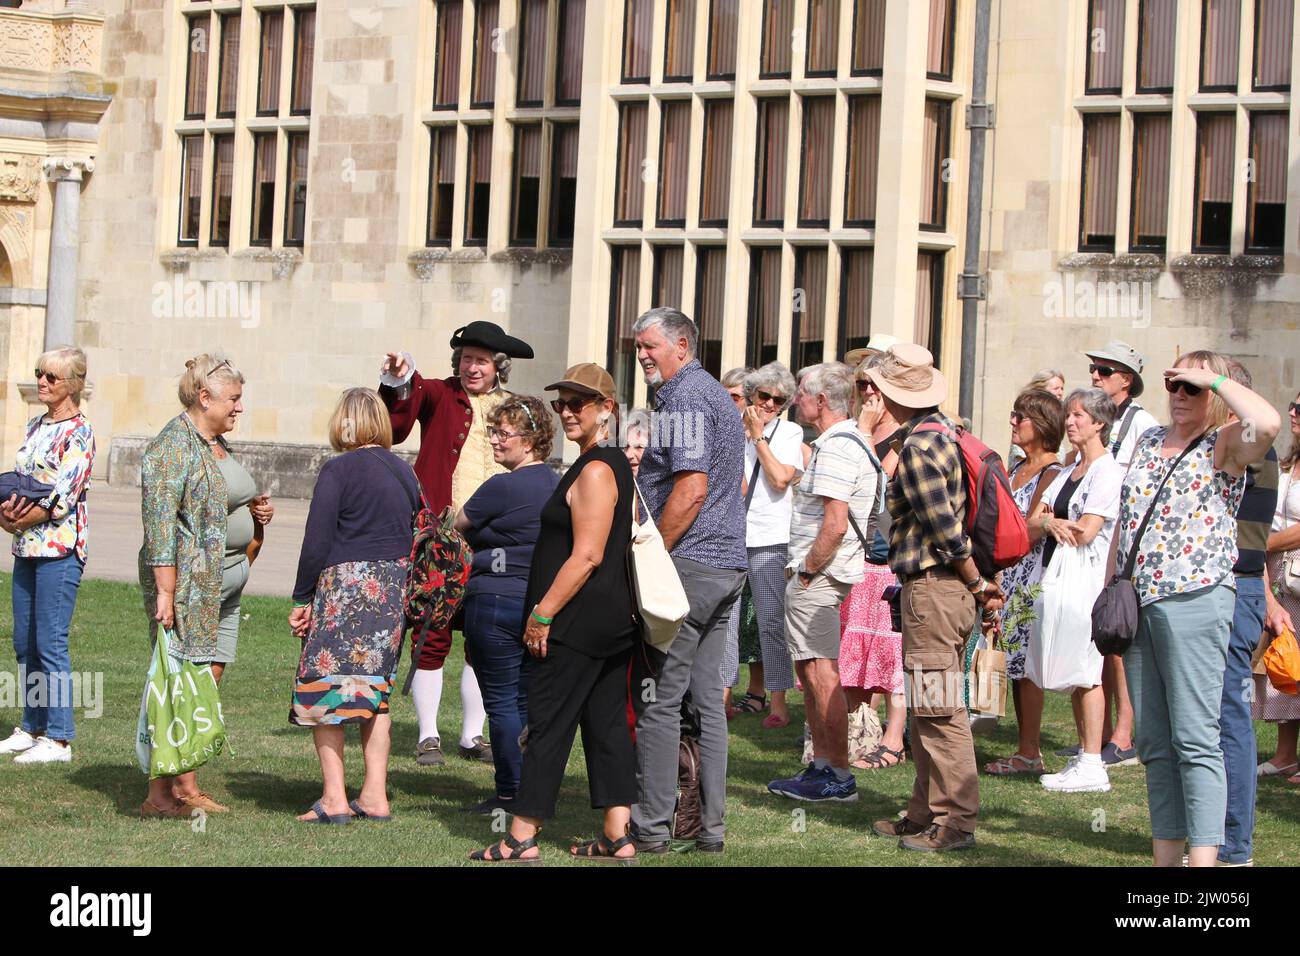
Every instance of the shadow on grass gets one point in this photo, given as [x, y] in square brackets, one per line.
[123, 784]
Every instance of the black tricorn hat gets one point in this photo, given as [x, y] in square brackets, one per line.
[490, 336]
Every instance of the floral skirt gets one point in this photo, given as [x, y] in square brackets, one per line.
[871, 651]
[350, 657]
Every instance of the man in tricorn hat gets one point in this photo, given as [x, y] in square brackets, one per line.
[454, 459]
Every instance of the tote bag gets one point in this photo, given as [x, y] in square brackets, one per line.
[180, 726]
[660, 598]
[1060, 654]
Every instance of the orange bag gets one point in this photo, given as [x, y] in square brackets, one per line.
[1282, 663]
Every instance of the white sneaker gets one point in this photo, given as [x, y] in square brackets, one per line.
[46, 750]
[1078, 777]
[17, 742]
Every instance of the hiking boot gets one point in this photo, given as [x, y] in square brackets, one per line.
[429, 752]
[937, 839]
[897, 829]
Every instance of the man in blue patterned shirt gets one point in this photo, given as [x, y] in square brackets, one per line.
[691, 478]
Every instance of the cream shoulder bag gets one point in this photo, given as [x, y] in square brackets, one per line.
[660, 598]
[1291, 559]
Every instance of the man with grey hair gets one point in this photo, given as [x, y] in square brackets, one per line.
[690, 477]
[840, 488]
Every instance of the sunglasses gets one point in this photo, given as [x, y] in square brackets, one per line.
[764, 397]
[1191, 391]
[501, 434]
[1017, 418]
[1105, 371]
[1294, 408]
[862, 384]
[574, 405]
[50, 377]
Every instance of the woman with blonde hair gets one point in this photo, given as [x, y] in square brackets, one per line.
[1178, 513]
[348, 602]
[185, 502]
[49, 551]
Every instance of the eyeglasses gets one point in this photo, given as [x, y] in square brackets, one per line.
[862, 384]
[1191, 391]
[574, 405]
[764, 397]
[1294, 407]
[1105, 371]
[501, 434]
[50, 377]
[1017, 418]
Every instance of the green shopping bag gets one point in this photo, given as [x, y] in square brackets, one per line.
[180, 725]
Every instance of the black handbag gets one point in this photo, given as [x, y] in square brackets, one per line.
[1115, 612]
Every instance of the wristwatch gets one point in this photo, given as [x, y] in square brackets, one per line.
[760, 438]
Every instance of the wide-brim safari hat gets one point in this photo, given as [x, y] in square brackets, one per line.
[1126, 357]
[907, 377]
[880, 342]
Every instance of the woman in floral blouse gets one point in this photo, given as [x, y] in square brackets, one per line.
[1185, 587]
[49, 554]
[183, 504]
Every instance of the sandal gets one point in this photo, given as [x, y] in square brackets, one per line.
[337, 819]
[1015, 765]
[355, 807]
[604, 850]
[1269, 769]
[880, 758]
[494, 853]
[752, 704]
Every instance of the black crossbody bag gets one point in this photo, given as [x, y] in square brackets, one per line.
[1115, 612]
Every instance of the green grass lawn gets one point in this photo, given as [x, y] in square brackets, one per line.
[85, 813]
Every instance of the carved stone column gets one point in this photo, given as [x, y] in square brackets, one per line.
[61, 301]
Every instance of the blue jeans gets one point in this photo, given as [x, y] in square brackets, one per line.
[494, 638]
[44, 596]
[1236, 729]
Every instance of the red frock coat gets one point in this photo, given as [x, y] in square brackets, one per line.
[442, 408]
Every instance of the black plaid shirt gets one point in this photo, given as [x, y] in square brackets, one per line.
[927, 501]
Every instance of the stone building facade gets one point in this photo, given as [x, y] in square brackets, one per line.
[304, 185]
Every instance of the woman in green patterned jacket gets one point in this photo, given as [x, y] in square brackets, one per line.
[184, 504]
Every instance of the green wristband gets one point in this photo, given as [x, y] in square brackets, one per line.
[539, 619]
[1217, 382]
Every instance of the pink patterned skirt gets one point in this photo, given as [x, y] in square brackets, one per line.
[871, 651]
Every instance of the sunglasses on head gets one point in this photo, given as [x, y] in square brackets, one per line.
[1191, 391]
[777, 400]
[574, 405]
[1105, 371]
[50, 377]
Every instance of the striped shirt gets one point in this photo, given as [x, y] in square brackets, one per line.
[927, 501]
[1255, 516]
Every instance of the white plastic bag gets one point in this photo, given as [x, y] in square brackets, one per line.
[1059, 654]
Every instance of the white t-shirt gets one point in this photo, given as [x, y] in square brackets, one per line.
[1142, 420]
[1098, 494]
[768, 519]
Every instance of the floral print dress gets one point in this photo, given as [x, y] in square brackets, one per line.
[349, 659]
[1023, 575]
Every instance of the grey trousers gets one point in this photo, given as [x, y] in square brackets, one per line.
[693, 665]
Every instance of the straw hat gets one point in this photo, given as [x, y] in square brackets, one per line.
[907, 377]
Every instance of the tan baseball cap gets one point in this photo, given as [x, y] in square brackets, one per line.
[587, 378]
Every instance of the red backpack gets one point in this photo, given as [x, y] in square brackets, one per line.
[998, 534]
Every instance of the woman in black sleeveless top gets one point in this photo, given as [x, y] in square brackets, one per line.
[580, 627]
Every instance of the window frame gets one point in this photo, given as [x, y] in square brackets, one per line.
[273, 135]
[1201, 86]
[619, 172]
[760, 130]
[1088, 88]
[941, 187]
[290, 135]
[950, 46]
[709, 75]
[294, 64]
[439, 39]
[808, 30]
[1141, 49]
[1197, 247]
[263, 13]
[553, 241]
[668, 12]
[190, 20]
[560, 38]
[848, 161]
[517, 129]
[474, 57]
[684, 172]
[182, 197]
[1084, 246]
[842, 331]
[1146, 248]
[213, 242]
[429, 240]
[224, 19]
[471, 185]
[624, 79]
[1254, 57]
[854, 71]
[800, 221]
[1251, 248]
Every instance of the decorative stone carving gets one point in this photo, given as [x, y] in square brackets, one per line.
[283, 261]
[76, 46]
[50, 41]
[422, 261]
[20, 176]
[26, 42]
[58, 168]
